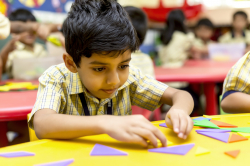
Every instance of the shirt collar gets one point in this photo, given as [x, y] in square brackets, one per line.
[233, 35]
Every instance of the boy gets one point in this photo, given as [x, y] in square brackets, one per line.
[203, 32]
[236, 91]
[22, 45]
[239, 33]
[95, 79]
[140, 23]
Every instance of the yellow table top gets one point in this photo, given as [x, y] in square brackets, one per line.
[79, 150]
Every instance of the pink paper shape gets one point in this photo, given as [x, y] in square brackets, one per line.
[180, 149]
[101, 150]
[16, 154]
[163, 125]
[58, 163]
[219, 136]
[213, 130]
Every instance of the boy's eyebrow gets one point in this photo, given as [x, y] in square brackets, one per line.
[101, 63]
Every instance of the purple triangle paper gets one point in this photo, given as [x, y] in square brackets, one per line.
[180, 150]
[219, 136]
[58, 163]
[16, 154]
[201, 118]
[163, 125]
[101, 150]
[213, 130]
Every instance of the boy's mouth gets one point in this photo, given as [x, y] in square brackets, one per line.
[109, 91]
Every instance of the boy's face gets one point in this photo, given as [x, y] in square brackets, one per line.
[27, 38]
[204, 32]
[239, 23]
[102, 75]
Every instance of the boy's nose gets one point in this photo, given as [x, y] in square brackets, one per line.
[113, 79]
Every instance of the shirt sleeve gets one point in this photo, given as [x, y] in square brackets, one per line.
[238, 77]
[145, 91]
[4, 27]
[50, 95]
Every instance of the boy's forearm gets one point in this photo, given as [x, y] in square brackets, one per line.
[4, 57]
[184, 101]
[18, 26]
[178, 99]
[236, 103]
[60, 126]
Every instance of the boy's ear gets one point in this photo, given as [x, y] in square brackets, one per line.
[69, 63]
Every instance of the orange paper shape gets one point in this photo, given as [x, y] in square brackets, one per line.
[236, 138]
[233, 154]
[222, 124]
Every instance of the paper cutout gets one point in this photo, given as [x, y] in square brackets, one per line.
[247, 135]
[219, 136]
[237, 138]
[233, 154]
[212, 117]
[16, 154]
[169, 143]
[205, 123]
[222, 124]
[240, 129]
[163, 125]
[201, 118]
[213, 130]
[179, 150]
[58, 163]
[201, 151]
[101, 150]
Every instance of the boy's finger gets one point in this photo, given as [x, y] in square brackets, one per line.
[147, 135]
[176, 122]
[190, 125]
[168, 123]
[159, 135]
[183, 126]
[139, 140]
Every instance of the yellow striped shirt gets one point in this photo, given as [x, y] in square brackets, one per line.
[59, 89]
[238, 77]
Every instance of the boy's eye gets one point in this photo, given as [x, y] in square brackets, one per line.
[99, 69]
[124, 66]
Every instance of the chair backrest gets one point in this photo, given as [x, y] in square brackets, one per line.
[32, 133]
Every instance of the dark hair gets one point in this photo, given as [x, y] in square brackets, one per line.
[174, 22]
[98, 26]
[21, 15]
[240, 13]
[205, 22]
[139, 20]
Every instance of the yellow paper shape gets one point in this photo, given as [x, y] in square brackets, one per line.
[247, 135]
[212, 117]
[201, 151]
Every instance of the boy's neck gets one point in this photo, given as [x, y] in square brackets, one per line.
[238, 33]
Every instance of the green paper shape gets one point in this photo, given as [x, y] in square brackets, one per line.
[205, 123]
[239, 129]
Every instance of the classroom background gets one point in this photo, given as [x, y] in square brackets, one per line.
[196, 63]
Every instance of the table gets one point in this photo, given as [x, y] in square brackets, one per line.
[199, 71]
[79, 149]
[14, 105]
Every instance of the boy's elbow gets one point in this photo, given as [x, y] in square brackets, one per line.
[226, 106]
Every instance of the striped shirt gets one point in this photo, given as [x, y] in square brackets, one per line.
[238, 79]
[59, 89]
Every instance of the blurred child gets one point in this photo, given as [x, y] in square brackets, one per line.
[203, 31]
[139, 59]
[239, 33]
[22, 45]
[176, 41]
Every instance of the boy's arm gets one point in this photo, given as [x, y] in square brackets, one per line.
[9, 47]
[131, 129]
[236, 102]
[178, 116]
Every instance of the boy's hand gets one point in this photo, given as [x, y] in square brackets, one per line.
[180, 122]
[133, 129]
[11, 45]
